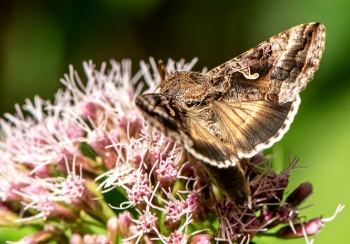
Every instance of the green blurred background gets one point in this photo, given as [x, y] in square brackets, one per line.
[39, 39]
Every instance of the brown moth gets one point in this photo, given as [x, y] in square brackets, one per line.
[238, 108]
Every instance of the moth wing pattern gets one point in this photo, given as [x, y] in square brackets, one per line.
[240, 130]
[285, 62]
[208, 147]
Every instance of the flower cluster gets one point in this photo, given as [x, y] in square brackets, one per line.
[88, 169]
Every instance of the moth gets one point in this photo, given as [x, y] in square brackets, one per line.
[238, 108]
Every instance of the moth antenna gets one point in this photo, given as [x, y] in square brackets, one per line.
[161, 68]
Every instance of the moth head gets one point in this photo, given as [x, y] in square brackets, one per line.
[186, 88]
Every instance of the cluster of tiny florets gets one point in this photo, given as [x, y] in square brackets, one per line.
[58, 163]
